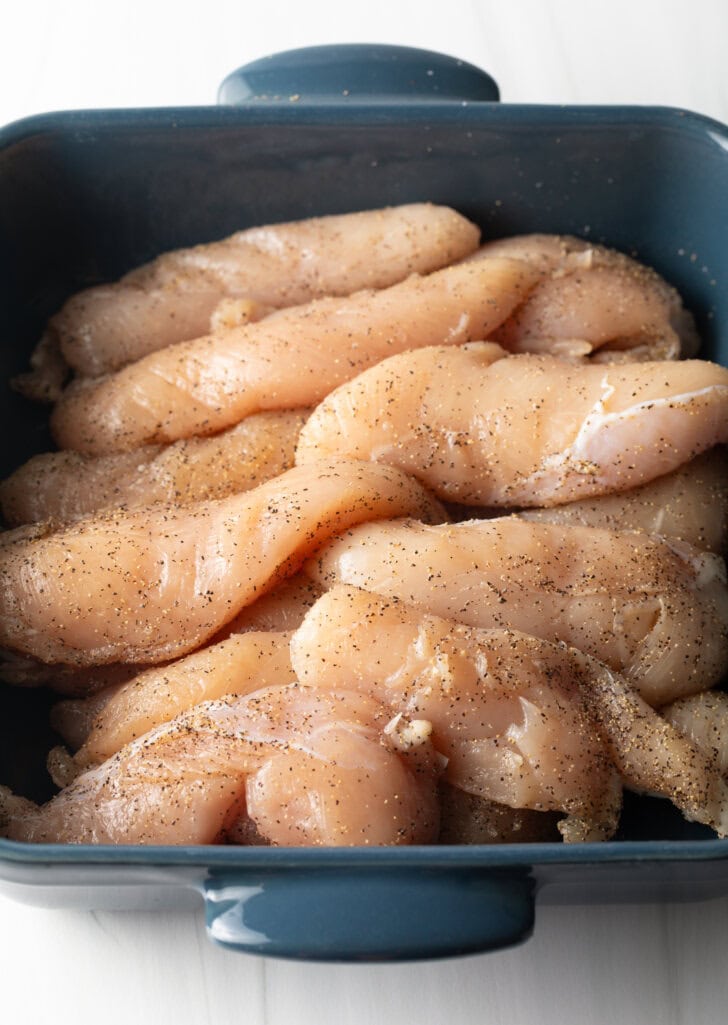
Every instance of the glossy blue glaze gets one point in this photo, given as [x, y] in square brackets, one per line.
[357, 73]
[401, 913]
[86, 196]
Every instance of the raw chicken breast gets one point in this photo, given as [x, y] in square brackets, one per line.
[505, 709]
[592, 301]
[238, 665]
[74, 718]
[48, 372]
[163, 313]
[526, 430]
[690, 504]
[547, 253]
[657, 611]
[231, 312]
[352, 787]
[291, 359]
[283, 608]
[276, 613]
[172, 298]
[64, 486]
[153, 584]
[652, 755]
[703, 719]
[184, 782]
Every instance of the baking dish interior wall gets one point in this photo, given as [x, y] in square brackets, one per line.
[85, 197]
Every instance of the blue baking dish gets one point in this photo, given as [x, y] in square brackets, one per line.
[86, 196]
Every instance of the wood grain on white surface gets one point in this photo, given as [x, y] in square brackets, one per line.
[658, 965]
[592, 965]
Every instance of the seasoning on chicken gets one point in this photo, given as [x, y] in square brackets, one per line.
[522, 431]
[153, 584]
[690, 504]
[592, 301]
[652, 755]
[283, 608]
[289, 360]
[172, 298]
[311, 768]
[505, 709]
[239, 665]
[65, 486]
[654, 610]
[703, 719]
[498, 680]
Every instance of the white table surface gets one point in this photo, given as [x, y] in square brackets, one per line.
[588, 965]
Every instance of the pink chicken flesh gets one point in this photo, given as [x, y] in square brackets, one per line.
[154, 584]
[521, 721]
[189, 780]
[527, 430]
[291, 359]
[703, 719]
[239, 665]
[653, 610]
[65, 486]
[690, 504]
[503, 708]
[592, 301]
[172, 298]
[283, 608]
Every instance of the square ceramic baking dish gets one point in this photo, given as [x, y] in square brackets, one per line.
[86, 196]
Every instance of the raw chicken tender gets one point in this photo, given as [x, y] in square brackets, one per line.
[184, 782]
[163, 313]
[48, 372]
[652, 755]
[526, 430]
[74, 718]
[690, 504]
[703, 719]
[505, 709]
[172, 298]
[521, 721]
[592, 301]
[547, 253]
[153, 584]
[239, 665]
[291, 359]
[654, 610]
[283, 608]
[64, 486]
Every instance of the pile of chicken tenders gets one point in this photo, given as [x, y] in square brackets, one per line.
[361, 532]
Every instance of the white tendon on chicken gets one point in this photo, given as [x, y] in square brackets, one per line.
[505, 709]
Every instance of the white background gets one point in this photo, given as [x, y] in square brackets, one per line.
[590, 966]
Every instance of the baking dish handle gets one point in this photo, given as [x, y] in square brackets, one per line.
[356, 74]
[377, 915]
